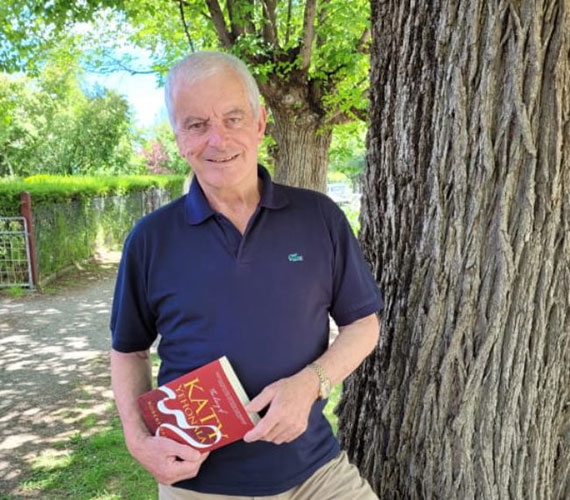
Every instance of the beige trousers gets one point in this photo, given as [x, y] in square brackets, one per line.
[336, 480]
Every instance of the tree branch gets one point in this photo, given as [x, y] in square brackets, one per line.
[361, 45]
[185, 25]
[348, 116]
[270, 21]
[288, 25]
[217, 15]
[341, 117]
[108, 63]
[308, 33]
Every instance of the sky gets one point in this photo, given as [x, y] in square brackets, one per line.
[142, 92]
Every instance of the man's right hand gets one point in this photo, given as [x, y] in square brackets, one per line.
[167, 460]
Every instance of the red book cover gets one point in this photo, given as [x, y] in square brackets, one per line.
[203, 408]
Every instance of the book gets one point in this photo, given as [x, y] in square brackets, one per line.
[203, 408]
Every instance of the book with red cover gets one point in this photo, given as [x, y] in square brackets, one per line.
[203, 408]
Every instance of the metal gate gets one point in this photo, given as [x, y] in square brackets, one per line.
[15, 263]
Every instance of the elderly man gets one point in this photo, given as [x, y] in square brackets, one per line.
[249, 269]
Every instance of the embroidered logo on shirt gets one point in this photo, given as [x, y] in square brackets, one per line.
[295, 257]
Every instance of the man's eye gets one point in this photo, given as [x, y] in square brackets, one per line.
[234, 121]
[196, 126]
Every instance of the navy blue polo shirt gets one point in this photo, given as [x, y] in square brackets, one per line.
[262, 299]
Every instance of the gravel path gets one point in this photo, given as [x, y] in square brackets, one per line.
[53, 367]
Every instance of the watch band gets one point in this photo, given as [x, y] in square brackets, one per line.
[324, 381]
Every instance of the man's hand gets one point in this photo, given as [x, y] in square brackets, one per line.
[167, 460]
[290, 400]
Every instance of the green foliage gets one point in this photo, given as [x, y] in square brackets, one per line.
[331, 405]
[353, 216]
[32, 28]
[49, 124]
[347, 151]
[48, 189]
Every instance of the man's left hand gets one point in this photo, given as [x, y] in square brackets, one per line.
[290, 400]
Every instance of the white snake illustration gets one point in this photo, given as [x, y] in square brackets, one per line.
[183, 423]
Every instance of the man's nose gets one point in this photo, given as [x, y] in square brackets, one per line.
[217, 136]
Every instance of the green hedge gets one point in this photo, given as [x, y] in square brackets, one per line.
[73, 216]
[51, 188]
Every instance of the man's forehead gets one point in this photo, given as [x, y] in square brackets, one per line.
[225, 93]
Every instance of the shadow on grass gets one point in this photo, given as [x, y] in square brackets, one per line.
[96, 467]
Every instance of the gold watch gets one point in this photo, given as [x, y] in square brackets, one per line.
[324, 382]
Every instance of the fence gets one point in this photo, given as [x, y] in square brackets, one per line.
[15, 262]
[67, 232]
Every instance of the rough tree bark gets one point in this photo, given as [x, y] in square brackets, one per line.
[301, 134]
[466, 223]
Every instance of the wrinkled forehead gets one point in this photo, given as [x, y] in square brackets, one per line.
[215, 95]
[223, 81]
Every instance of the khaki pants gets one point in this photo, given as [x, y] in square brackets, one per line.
[336, 480]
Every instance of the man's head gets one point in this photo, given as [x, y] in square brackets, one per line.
[213, 105]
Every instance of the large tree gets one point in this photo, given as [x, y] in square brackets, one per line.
[466, 223]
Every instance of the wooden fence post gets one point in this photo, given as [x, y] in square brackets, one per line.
[26, 212]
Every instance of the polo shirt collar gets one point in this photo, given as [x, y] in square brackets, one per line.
[198, 209]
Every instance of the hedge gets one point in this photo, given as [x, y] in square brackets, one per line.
[52, 189]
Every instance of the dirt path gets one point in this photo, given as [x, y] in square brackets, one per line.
[53, 367]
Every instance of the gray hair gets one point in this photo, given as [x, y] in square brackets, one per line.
[203, 65]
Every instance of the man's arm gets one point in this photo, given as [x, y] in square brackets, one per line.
[290, 399]
[167, 460]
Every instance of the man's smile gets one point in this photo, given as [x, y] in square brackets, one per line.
[224, 159]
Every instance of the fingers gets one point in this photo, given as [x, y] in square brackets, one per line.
[184, 452]
[169, 461]
[261, 400]
[277, 427]
[262, 428]
[182, 469]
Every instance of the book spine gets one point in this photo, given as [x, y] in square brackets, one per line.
[237, 387]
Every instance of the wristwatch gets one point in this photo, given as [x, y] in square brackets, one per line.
[324, 382]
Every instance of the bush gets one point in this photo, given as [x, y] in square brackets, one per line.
[49, 189]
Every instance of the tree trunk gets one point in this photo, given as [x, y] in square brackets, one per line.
[303, 150]
[466, 223]
[303, 140]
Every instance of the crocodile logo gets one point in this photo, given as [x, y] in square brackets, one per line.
[295, 257]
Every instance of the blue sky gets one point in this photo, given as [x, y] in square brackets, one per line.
[142, 92]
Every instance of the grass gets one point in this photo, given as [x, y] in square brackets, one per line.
[332, 403]
[98, 467]
[16, 292]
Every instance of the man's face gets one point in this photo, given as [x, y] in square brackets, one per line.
[216, 131]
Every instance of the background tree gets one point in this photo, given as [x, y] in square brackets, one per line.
[466, 221]
[49, 124]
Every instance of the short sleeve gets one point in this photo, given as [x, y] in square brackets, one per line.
[132, 321]
[355, 292]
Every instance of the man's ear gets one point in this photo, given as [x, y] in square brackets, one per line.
[261, 123]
